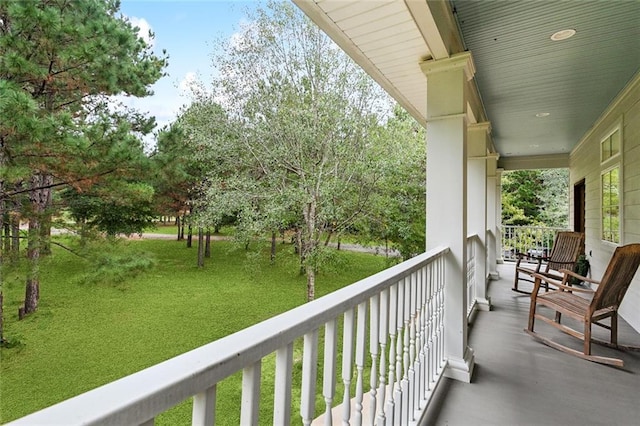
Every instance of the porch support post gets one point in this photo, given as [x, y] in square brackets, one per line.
[447, 85]
[493, 244]
[499, 252]
[478, 138]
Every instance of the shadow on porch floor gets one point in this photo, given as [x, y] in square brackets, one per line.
[519, 381]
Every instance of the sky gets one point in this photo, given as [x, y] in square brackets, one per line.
[186, 30]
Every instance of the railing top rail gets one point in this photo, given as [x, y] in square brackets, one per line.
[550, 228]
[138, 397]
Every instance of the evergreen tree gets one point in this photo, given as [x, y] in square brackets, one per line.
[59, 60]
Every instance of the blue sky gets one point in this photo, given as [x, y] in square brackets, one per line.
[186, 29]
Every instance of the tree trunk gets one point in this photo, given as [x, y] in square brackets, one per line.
[207, 245]
[15, 238]
[189, 236]
[200, 247]
[32, 290]
[308, 247]
[311, 283]
[39, 198]
[178, 224]
[273, 247]
[328, 240]
[45, 224]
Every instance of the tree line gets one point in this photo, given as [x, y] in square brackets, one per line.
[291, 137]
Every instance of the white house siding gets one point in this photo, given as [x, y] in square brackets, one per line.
[585, 164]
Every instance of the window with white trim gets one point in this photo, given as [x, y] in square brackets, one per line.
[611, 186]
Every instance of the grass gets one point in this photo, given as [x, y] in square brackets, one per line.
[88, 334]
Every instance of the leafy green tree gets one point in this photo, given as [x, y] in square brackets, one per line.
[397, 214]
[59, 61]
[555, 197]
[521, 197]
[125, 209]
[306, 112]
[535, 197]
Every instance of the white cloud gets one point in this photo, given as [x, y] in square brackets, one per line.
[188, 83]
[143, 29]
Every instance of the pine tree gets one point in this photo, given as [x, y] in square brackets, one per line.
[60, 60]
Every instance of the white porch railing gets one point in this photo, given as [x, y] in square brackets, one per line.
[396, 316]
[536, 240]
[472, 282]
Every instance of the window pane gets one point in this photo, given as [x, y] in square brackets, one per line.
[606, 149]
[615, 143]
[611, 206]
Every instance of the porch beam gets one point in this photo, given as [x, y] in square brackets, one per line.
[447, 86]
[551, 161]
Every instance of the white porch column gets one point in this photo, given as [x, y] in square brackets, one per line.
[447, 84]
[478, 135]
[493, 243]
[499, 253]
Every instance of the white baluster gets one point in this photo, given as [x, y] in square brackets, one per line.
[250, 394]
[374, 326]
[411, 379]
[347, 361]
[393, 318]
[282, 386]
[204, 408]
[309, 374]
[360, 355]
[430, 326]
[384, 330]
[441, 307]
[405, 350]
[397, 415]
[419, 386]
[329, 374]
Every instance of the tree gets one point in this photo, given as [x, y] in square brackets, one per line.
[397, 213]
[306, 112]
[60, 60]
[535, 197]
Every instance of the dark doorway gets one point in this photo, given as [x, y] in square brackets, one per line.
[578, 206]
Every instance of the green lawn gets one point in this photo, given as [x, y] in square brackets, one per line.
[85, 335]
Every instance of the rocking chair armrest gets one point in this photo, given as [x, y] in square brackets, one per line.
[540, 277]
[538, 259]
[578, 276]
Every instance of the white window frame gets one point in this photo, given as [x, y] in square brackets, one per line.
[606, 165]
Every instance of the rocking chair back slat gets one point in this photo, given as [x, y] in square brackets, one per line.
[566, 249]
[617, 277]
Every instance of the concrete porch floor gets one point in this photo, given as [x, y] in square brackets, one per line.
[519, 381]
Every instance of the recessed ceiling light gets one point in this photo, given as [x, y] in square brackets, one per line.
[543, 114]
[563, 34]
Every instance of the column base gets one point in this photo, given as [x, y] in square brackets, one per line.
[494, 276]
[483, 304]
[461, 369]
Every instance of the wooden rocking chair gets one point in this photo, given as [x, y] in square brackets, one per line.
[567, 247]
[603, 304]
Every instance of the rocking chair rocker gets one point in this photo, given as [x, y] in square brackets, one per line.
[567, 247]
[604, 304]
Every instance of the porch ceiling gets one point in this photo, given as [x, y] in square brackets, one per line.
[520, 71]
